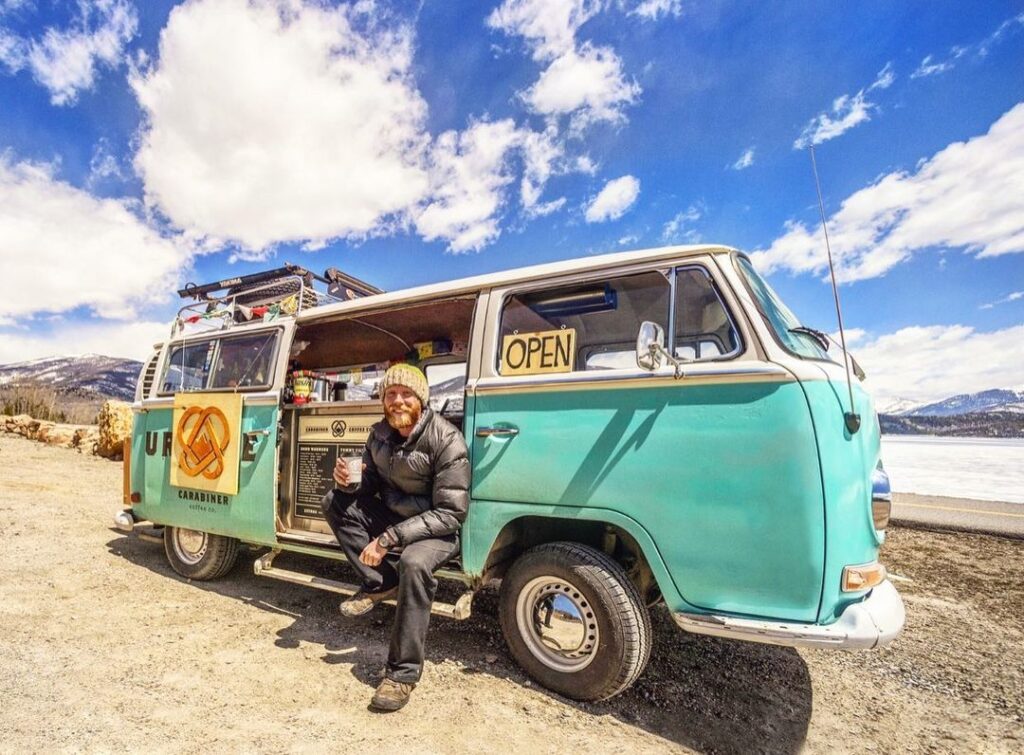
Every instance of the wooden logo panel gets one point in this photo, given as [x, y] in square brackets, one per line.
[206, 441]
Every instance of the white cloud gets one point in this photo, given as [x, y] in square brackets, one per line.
[853, 336]
[7, 6]
[62, 248]
[584, 164]
[128, 340]
[468, 172]
[276, 120]
[65, 60]
[548, 26]
[543, 155]
[587, 83]
[1015, 296]
[611, 203]
[676, 229]
[745, 160]
[930, 68]
[884, 79]
[1009, 26]
[581, 80]
[651, 10]
[847, 111]
[103, 164]
[965, 196]
[931, 363]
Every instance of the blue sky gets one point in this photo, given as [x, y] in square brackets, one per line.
[143, 145]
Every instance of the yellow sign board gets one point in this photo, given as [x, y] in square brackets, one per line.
[539, 353]
[206, 441]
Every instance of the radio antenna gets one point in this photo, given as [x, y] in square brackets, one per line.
[851, 417]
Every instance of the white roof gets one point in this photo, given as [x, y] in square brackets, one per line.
[506, 277]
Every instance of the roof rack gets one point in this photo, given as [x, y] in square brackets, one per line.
[282, 291]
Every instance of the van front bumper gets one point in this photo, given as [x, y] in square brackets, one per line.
[872, 623]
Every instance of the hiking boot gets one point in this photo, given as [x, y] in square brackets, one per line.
[362, 603]
[391, 695]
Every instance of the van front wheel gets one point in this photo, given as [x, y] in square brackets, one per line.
[574, 621]
[199, 555]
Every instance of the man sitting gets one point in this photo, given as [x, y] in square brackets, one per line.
[414, 494]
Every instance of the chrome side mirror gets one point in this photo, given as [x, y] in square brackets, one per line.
[650, 343]
[650, 349]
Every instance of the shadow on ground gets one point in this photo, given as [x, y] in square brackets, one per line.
[704, 693]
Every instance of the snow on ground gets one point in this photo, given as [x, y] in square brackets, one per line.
[988, 469]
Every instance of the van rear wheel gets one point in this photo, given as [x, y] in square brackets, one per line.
[574, 621]
[199, 555]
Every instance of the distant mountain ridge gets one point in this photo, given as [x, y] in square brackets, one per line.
[90, 374]
[995, 413]
[992, 400]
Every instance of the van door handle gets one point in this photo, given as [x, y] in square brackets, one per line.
[501, 432]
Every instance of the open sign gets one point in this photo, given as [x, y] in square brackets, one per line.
[538, 353]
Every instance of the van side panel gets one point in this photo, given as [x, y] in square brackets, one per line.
[488, 518]
[722, 474]
[847, 462]
[249, 515]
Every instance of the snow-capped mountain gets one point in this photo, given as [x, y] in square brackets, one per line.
[109, 376]
[897, 407]
[994, 400]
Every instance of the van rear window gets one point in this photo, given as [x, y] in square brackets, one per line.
[188, 367]
[244, 362]
[221, 363]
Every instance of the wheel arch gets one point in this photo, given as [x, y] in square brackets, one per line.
[622, 538]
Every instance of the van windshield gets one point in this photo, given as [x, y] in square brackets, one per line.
[778, 316]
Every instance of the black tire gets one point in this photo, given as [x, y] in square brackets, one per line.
[597, 606]
[199, 555]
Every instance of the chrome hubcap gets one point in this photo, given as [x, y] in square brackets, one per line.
[557, 623]
[189, 545]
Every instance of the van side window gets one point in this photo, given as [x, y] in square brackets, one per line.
[188, 367]
[703, 328]
[587, 326]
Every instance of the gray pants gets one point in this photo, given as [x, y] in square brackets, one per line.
[355, 523]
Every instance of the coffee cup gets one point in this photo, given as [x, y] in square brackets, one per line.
[355, 468]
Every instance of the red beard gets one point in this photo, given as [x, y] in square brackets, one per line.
[401, 419]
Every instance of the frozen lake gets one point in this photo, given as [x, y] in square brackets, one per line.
[988, 469]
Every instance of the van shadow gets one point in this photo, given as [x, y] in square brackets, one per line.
[704, 693]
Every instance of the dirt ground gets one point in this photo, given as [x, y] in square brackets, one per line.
[104, 648]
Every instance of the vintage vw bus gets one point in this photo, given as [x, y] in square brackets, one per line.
[645, 428]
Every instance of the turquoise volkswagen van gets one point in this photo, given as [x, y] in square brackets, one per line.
[646, 429]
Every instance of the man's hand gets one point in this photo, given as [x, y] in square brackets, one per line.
[372, 554]
[341, 475]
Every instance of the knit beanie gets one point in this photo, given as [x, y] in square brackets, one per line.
[409, 376]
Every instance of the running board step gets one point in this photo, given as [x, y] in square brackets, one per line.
[263, 567]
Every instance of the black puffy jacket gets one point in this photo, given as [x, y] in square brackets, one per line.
[423, 478]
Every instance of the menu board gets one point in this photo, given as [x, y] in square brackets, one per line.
[322, 440]
[314, 474]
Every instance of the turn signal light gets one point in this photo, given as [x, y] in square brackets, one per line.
[863, 577]
[136, 497]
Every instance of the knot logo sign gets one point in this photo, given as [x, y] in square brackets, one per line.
[206, 442]
[338, 428]
[205, 435]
